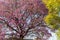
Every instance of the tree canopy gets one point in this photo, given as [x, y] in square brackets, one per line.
[21, 17]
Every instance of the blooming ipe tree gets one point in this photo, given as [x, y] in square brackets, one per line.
[21, 17]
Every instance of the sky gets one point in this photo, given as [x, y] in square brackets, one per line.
[53, 37]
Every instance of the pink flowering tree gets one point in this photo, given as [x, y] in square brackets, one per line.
[21, 17]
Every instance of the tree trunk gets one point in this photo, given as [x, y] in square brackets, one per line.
[21, 38]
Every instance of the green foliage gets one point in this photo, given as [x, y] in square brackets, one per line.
[52, 5]
[53, 18]
[58, 34]
[53, 21]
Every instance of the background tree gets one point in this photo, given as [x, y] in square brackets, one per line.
[19, 17]
[53, 18]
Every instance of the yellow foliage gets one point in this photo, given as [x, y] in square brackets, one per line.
[53, 18]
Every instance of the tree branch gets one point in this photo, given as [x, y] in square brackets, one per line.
[11, 27]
